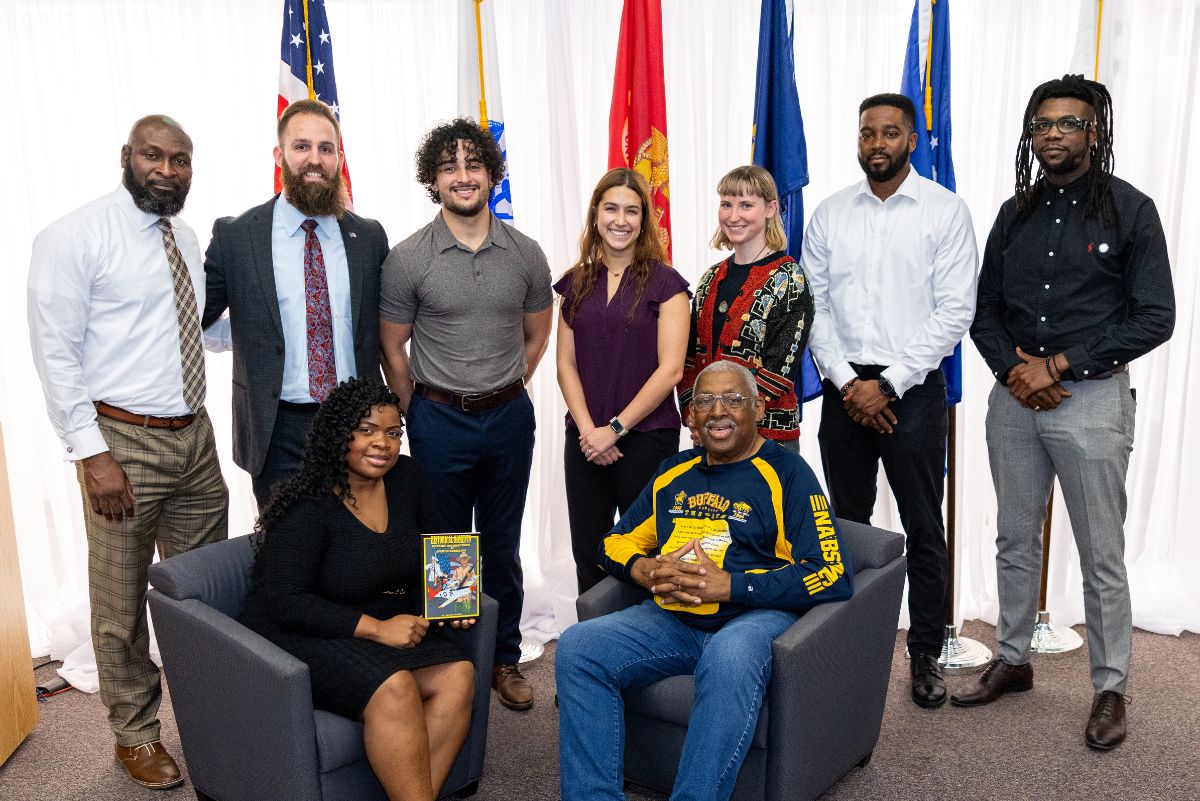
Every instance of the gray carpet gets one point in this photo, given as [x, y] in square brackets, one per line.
[1027, 746]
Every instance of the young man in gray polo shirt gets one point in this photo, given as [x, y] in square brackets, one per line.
[473, 296]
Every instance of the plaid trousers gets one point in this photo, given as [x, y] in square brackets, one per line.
[180, 502]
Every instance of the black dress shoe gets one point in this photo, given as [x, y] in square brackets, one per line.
[928, 686]
[1106, 726]
[997, 678]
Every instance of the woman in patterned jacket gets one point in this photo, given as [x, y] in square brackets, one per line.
[755, 307]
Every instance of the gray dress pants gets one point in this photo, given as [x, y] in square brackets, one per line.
[1085, 442]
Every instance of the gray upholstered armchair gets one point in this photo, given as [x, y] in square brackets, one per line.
[824, 705]
[244, 706]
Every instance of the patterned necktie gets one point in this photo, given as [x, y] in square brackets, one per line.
[191, 349]
[322, 370]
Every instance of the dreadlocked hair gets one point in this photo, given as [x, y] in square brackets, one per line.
[323, 466]
[1100, 170]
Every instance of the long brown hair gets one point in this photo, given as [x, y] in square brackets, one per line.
[585, 272]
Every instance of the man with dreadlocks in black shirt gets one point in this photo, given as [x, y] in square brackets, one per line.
[1075, 285]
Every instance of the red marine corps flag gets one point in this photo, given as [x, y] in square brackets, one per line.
[637, 121]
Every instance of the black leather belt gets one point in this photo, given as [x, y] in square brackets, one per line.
[868, 372]
[299, 407]
[472, 404]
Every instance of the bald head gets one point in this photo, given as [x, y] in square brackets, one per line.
[744, 377]
[157, 164]
[169, 124]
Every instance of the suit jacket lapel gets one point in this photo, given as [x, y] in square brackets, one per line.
[355, 265]
[263, 261]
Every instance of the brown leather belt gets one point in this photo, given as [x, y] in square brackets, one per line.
[471, 404]
[144, 420]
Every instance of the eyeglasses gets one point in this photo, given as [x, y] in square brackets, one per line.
[1040, 127]
[730, 400]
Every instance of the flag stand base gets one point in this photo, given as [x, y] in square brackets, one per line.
[1047, 639]
[962, 654]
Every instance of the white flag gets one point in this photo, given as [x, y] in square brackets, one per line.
[1101, 41]
[479, 87]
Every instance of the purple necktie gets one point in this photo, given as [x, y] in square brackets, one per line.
[322, 370]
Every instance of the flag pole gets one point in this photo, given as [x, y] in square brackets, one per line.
[959, 654]
[1046, 638]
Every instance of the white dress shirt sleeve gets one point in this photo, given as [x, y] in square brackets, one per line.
[953, 276]
[823, 341]
[217, 337]
[60, 275]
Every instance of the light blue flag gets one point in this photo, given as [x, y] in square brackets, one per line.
[926, 82]
[778, 143]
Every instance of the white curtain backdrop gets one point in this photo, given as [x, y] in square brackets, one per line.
[81, 72]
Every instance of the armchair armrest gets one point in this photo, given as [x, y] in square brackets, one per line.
[829, 684]
[610, 595]
[243, 705]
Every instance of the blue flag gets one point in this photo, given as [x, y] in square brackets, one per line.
[926, 82]
[778, 143]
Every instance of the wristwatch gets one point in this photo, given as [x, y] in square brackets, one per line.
[886, 388]
[617, 428]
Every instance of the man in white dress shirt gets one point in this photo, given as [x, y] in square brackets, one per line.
[892, 265]
[114, 293]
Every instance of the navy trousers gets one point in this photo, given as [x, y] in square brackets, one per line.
[478, 465]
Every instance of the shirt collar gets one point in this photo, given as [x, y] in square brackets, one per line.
[291, 218]
[141, 220]
[1075, 188]
[443, 239]
[910, 187]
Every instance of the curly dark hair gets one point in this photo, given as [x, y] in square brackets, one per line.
[441, 144]
[1099, 203]
[323, 466]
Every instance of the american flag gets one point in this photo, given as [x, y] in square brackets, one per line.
[306, 64]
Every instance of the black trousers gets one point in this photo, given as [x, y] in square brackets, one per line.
[286, 449]
[596, 494]
[914, 459]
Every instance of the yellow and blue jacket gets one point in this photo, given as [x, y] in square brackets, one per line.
[765, 520]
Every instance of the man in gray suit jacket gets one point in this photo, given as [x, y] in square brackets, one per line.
[300, 278]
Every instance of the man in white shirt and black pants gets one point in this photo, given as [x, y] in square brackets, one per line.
[892, 264]
[115, 290]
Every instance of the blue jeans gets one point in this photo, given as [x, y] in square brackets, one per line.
[598, 658]
[478, 467]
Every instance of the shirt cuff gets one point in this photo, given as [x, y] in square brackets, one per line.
[1081, 365]
[1002, 374]
[738, 592]
[841, 373]
[83, 443]
[902, 378]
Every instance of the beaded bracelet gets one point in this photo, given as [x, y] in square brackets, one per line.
[1050, 368]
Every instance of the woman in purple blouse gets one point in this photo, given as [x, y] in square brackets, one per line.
[621, 339]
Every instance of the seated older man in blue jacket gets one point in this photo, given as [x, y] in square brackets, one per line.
[745, 543]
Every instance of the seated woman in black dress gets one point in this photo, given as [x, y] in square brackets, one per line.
[338, 584]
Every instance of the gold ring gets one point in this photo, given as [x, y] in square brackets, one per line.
[1037, 408]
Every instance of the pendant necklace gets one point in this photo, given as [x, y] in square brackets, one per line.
[723, 306]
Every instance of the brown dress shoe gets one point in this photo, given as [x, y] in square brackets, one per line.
[1106, 726]
[997, 678]
[149, 765]
[515, 690]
